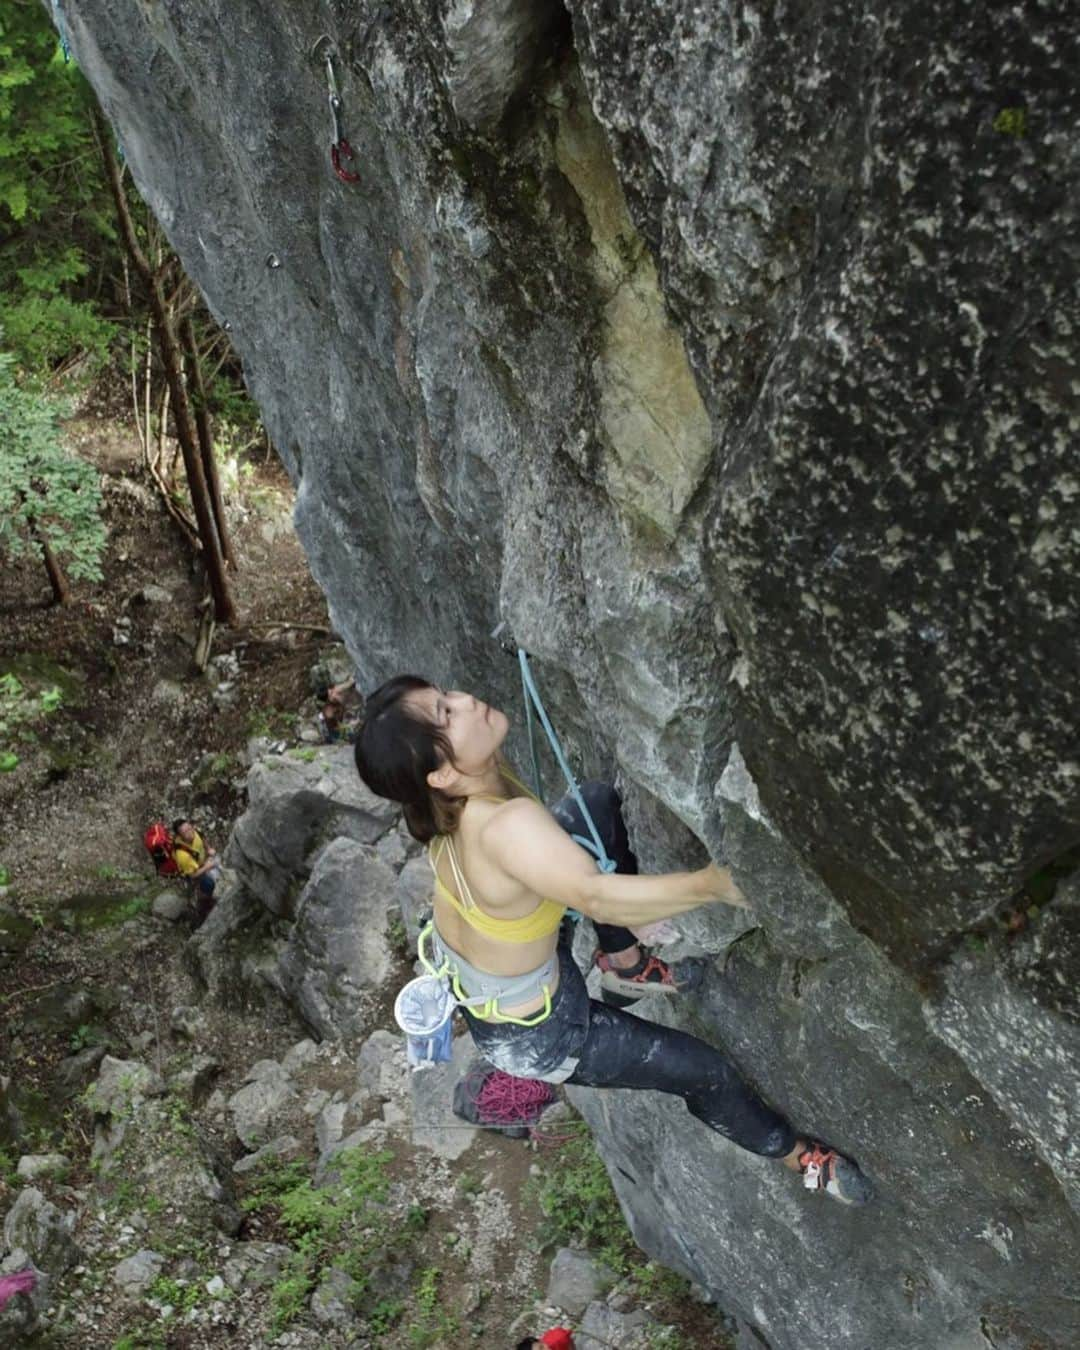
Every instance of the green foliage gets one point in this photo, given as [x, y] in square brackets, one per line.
[8, 1165]
[342, 1215]
[181, 1295]
[21, 706]
[1011, 122]
[432, 1323]
[147, 1338]
[270, 722]
[384, 1315]
[47, 495]
[55, 217]
[576, 1196]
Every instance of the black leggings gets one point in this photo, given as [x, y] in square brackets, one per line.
[608, 1048]
[604, 806]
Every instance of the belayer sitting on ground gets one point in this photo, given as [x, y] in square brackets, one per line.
[198, 862]
[506, 872]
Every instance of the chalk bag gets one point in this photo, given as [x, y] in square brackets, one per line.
[424, 1010]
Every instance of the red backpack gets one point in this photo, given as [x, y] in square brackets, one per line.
[159, 844]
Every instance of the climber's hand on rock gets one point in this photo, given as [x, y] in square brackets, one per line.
[721, 886]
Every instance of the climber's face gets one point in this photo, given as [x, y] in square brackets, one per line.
[474, 729]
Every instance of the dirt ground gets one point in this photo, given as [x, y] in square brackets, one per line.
[140, 735]
[137, 720]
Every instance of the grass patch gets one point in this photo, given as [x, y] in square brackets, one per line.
[88, 912]
[576, 1196]
[431, 1322]
[343, 1216]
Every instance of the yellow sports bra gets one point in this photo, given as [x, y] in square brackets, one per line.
[542, 922]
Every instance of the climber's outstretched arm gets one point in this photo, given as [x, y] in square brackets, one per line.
[530, 846]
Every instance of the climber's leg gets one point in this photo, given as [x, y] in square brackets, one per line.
[624, 1051]
[627, 972]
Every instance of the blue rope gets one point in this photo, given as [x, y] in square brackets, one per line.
[58, 22]
[532, 699]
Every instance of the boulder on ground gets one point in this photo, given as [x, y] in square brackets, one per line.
[170, 905]
[135, 1274]
[576, 1280]
[34, 1225]
[255, 1106]
[336, 953]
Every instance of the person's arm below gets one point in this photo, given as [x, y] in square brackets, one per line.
[527, 843]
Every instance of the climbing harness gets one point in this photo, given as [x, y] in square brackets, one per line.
[339, 146]
[489, 990]
[61, 28]
[533, 700]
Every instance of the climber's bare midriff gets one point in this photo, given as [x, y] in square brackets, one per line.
[503, 898]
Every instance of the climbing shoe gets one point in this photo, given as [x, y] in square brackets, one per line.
[620, 988]
[823, 1169]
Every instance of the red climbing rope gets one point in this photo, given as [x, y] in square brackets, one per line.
[502, 1099]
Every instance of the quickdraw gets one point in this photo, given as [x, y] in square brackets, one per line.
[339, 146]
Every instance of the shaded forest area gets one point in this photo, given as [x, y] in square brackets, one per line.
[93, 301]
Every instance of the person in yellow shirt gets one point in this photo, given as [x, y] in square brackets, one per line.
[196, 861]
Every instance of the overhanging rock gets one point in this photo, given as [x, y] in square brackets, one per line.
[726, 356]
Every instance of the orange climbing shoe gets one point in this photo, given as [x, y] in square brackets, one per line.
[823, 1169]
[620, 988]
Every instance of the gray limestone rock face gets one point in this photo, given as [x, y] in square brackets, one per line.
[878, 309]
[296, 803]
[722, 356]
[336, 952]
[1011, 1010]
[256, 1106]
[297, 806]
[255, 1264]
[144, 1139]
[971, 1182]
[414, 891]
[575, 1280]
[334, 1301]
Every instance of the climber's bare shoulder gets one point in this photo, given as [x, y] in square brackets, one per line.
[524, 840]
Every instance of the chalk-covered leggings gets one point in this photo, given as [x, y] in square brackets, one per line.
[589, 1044]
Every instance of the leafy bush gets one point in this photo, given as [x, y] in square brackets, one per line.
[20, 707]
[47, 495]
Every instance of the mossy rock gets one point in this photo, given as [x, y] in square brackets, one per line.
[91, 910]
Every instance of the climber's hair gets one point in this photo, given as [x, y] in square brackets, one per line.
[396, 750]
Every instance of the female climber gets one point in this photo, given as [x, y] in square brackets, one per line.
[506, 871]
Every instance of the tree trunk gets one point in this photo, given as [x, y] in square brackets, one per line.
[61, 593]
[206, 436]
[169, 351]
[60, 589]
